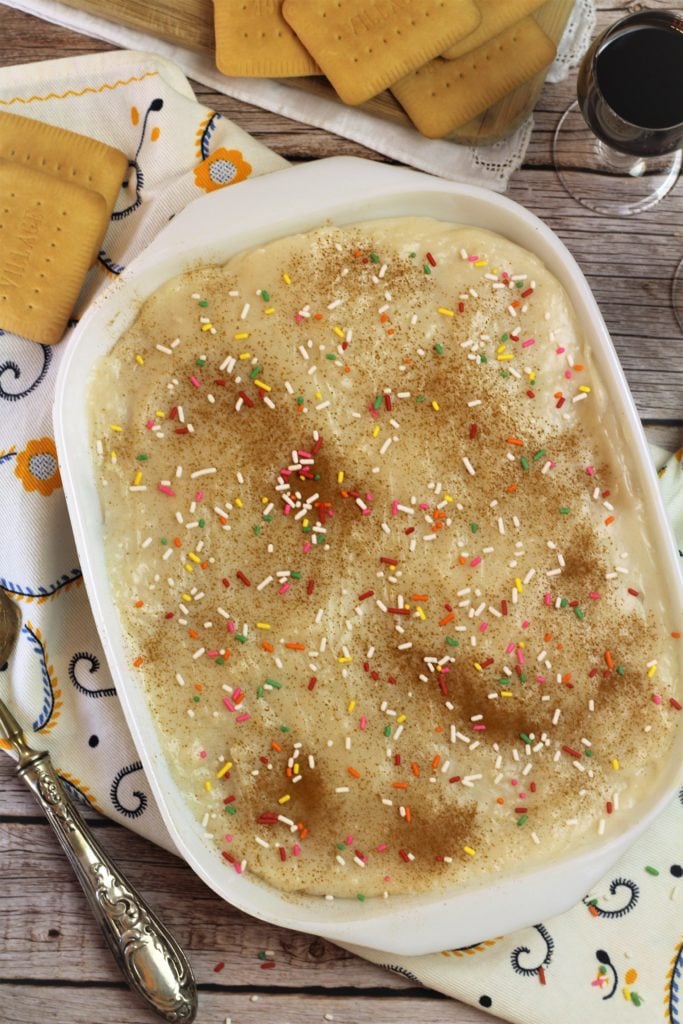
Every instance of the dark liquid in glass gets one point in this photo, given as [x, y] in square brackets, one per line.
[630, 85]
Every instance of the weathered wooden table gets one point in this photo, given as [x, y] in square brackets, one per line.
[54, 966]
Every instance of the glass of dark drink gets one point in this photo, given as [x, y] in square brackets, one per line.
[618, 149]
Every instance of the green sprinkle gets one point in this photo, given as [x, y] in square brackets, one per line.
[387, 730]
[284, 728]
[565, 511]
[636, 999]
[539, 455]
[474, 527]
[331, 355]
[219, 661]
[142, 458]
[524, 738]
[300, 400]
[203, 302]
[504, 337]
[200, 362]
[202, 522]
[485, 360]
[621, 670]
[579, 613]
[196, 700]
[268, 519]
[419, 398]
[651, 871]
[164, 540]
[378, 402]
[307, 529]
[320, 539]
[426, 268]
[522, 819]
[341, 846]
[524, 461]
[451, 642]
[588, 752]
[241, 639]
[296, 575]
[412, 255]
[259, 692]
[360, 896]
[522, 677]
[255, 372]
[519, 284]
[230, 809]
[374, 257]
[564, 602]
[504, 373]
[265, 295]
[274, 682]
[438, 348]
[262, 955]
[257, 530]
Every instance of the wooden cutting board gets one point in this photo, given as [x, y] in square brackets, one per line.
[189, 23]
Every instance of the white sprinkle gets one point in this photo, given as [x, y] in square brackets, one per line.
[468, 466]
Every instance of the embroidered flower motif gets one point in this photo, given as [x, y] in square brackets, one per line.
[223, 167]
[37, 466]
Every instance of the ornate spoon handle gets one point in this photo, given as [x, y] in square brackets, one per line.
[149, 957]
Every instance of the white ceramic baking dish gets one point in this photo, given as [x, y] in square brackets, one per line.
[342, 190]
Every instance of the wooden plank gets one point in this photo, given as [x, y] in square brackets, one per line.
[54, 1004]
[47, 930]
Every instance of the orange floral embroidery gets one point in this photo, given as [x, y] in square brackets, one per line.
[221, 168]
[37, 466]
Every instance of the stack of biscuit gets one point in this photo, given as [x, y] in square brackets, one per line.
[445, 61]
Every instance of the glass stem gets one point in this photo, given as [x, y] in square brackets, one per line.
[622, 163]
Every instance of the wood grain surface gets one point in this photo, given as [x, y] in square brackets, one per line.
[54, 966]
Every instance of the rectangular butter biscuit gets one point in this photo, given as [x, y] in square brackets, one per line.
[445, 94]
[364, 46]
[254, 40]
[496, 16]
[49, 229]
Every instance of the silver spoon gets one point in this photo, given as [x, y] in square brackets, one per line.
[151, 961]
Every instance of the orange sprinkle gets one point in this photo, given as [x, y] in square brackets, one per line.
[303, 832]
[500, 800]
[436, 761]
[609, 520]
[512, 488]
[138, 662]
[275, 746]
[516, 304]
[198, 687]
[676, 636]
[391, 331]
[609, 660]
[400, 785]
[436, 527]
[462, 559]
[295, 647]
[383, 319]
[438, 728]
[547, 638]
[289, 772]
[578, 367]
[317, 316]
[408, 813]
[193, 633]
[204, 565]
[419, 597]
[515, 440]
[139, 604]
[447, 618]
[267, 647]
[415, 768]
[567, 678]
[176, 541]
[353, 772]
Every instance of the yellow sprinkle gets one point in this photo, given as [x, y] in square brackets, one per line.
[401, 718]
[239, 502]
[469, 851]
[420, 614]
[651, 671]
[448, 498]
[268, 311]
[140, 360]
[244, 355]
[375, 430]
[264, 501]
[586, 390]
[340, 476]
[481, 263]
[161, 415]
[318, 394]
[351, 706]
[222, 771]
[435, 406]
[260, 384]
[188, 567]
[116, 427]
[338, 331]
[263, 625]
[137, 478]
[615, 764]
[207, 786]
[446, 312]
[193, 558]
[286, 278]
[505, 357]
[520, 643]
[207, 327]
[296, 769]
[186, 597]
[343, 661]
[478, 666]
[240, 337]
[305, 523]
[283, 799]
[506, 693]
[501, 348]
[113, 456]
[519, 585]
[532, 377]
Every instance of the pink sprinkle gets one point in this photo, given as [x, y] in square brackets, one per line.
[349, 840]
[363, 724]
[394, 508]
[149, 424]
[284, 588]
[229, 704]
[479, 728]
[366, 511]
[560, 350]
[307, 547]
[238, 693]
[568, 374]
[509, 649]
[369, 496]
[520, 656]
[231, 626]
[590, 470]
[305, 455]
[212, 654]
[547, 598]
[298, 318]
[202, 753]
[238, 868]
[199, 496]
[528, 342]
[475, 561]
[166, 490]
[526, 624]
[286, 510]
[381, 848]
[194, 381]
[656, 698]
[423, 505]
[513, 782]
[484, 626]
[296, 850]
[472, 259]
[228, 838]
[522, 796]
[596, 597]
[540, 679]
[243, 718]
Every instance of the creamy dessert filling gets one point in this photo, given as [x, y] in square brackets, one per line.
[382, 570]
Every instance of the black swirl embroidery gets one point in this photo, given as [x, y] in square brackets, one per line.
[604, 960]
[207, 133]
[402, 970]
[130, 812]
[10, 367]
[133, 165]
[549, 946]
[612, 912]
[94, 663]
